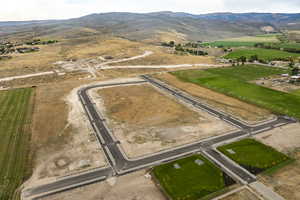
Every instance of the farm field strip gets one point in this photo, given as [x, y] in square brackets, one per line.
[263, 54]
[14, 112]
[234, 82]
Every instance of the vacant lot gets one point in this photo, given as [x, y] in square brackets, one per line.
[253, 155]
[263, 54]
[15, 121]
[147, 121]
[190, 178]
[62, 138]
[286, 181]
[286, 139]
[134, 186]
[226, 80]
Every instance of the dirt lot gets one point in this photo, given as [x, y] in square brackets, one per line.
[285, 139]
[164, 56]
[134, 186]
[277, 83]
[62, 139]
[239, 109]
[147, 121]
[242, 195]
[286, 181]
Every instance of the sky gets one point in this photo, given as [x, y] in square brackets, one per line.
[15, 10]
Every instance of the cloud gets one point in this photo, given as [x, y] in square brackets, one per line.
[62, 9]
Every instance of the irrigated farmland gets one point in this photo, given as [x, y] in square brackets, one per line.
[15, 120]
[233, 82]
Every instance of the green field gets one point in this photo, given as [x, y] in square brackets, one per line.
[233, 81]
[230, 44]
[248, 41]
[296, 92]
[191, 181]
[253, 155]
[263, 54]
[15, 115]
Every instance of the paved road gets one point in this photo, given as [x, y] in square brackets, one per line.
[121, 165]
[68, 183]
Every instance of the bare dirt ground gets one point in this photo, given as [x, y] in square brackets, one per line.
[232, 106]
[62, 139]
[277, 83]
[285, 139]
[135, 186]
[164, 56]
[285, 181]
[242, 195]
[147, 121]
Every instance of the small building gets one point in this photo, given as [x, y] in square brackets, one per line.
[295, 78]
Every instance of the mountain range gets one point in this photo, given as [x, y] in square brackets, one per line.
[137, 26]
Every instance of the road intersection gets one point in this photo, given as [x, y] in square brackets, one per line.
[120, 164]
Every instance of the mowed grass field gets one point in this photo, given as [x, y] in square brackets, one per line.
[263, 54]
[190, 181]
[254, 155]
[230, 44]
[248, 41]
[234, 82]
[15, 120]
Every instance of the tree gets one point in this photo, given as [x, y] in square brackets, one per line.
[295, 71]
[291, 64]
[171, 43]
[242, 59]
[253, 58]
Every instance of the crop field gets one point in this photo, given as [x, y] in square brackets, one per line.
[190, 178]
[263, 54]
[15, 115]
[233, 82]
[248, 41]
[254, 155]
[230, 44]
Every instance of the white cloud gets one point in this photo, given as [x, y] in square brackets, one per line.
[61, 9]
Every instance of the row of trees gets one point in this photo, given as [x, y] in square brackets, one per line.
[183, 48]
[276, 47]
[195, 52]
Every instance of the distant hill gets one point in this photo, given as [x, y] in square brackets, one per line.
[144, 26]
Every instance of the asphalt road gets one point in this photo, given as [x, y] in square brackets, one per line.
[121, 165]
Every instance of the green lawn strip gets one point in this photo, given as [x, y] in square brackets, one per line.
[263, 54]
[191, 181]
[249, 152]
[233, 83]
[15, 140]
